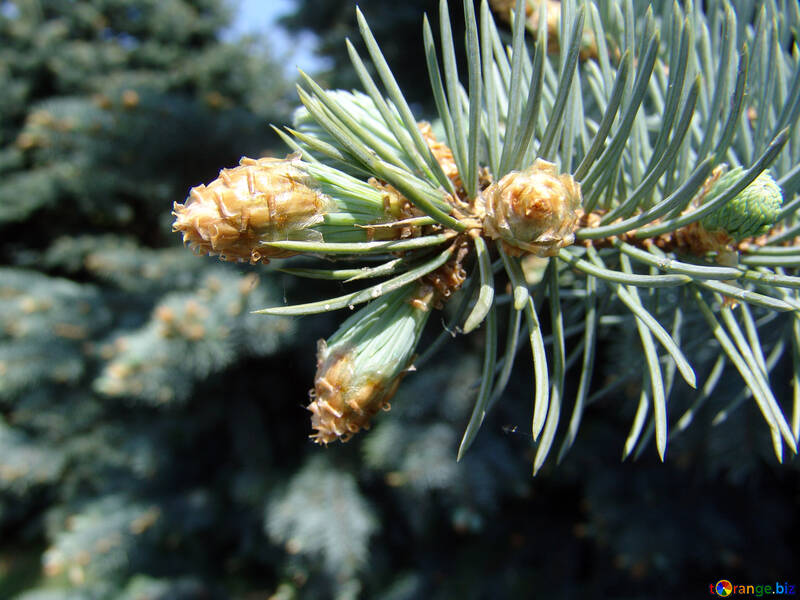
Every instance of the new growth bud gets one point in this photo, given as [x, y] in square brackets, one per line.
[534, 210]
[268, 200]
[361, 365]
[262, 200]
[751, 213]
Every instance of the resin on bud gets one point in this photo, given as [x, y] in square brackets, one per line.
[750, 213]
[360, 366]
[535, 210]
[262, 200]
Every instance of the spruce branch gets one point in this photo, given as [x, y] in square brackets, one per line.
[658, 183]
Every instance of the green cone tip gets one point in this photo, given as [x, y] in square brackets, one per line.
[752, 212]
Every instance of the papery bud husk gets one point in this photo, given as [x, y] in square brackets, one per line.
[262, 200]
[535, 210]
[442, 153]
[503, 8]
[361, 365]
[750, 213]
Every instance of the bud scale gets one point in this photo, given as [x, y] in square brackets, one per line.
[262, 200]
[535, 210]
[361, 365]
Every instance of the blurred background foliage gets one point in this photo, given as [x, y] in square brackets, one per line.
[398, 26]
[153, 441]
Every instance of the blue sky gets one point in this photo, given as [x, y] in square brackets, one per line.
[258, 17]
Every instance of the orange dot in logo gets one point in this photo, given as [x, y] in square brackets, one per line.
[723, 588]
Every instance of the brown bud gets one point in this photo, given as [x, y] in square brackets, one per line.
[441, 152]
[343, 402]
[259, 201]
[503, 8]
[102, 101]
[357, 376]
[130, 99]
[216, 100]
[535, 210]
[552, 16]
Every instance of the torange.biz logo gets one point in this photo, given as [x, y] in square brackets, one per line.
[725, 588]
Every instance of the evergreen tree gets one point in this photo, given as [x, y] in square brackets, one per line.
[92, 89]
[109, 111]
[153, 438]
[625, 196]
